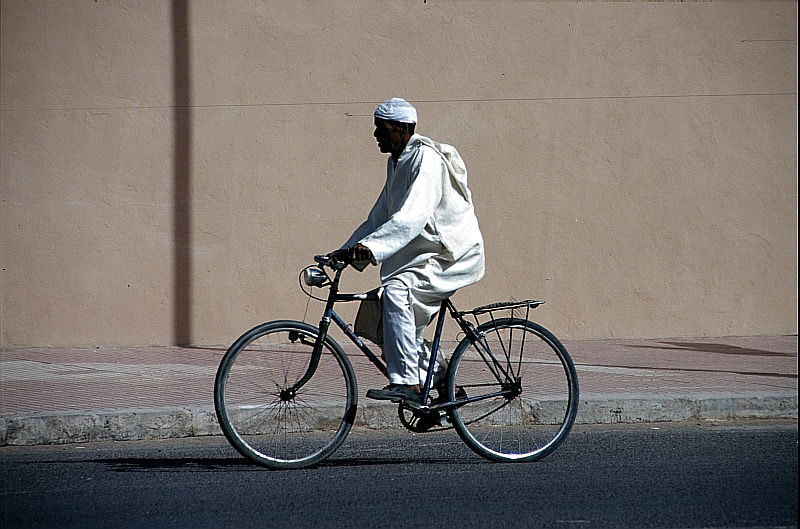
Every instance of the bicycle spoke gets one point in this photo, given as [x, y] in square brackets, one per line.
[525, 415]
[265, 416]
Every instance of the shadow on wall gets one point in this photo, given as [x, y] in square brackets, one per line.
[181, 187]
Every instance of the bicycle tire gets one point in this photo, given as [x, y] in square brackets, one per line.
[274, 429]
[535, 414]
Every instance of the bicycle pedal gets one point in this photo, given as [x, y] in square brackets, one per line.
[410, 404]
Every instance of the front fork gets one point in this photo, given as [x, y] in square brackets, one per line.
[290, 393]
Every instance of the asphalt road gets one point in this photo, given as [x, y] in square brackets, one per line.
[647, 475]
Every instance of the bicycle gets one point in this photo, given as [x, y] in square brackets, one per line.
[286, 395]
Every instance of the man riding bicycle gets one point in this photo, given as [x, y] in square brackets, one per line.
[424, 233]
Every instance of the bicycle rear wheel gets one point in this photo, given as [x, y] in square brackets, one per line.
[522, 391]
[266, 423]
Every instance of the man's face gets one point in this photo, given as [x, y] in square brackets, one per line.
[390, 137]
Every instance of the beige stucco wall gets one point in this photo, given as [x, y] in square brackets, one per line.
[635, 165]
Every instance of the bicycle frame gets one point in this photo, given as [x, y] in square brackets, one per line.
[274, 376]
[334, 296]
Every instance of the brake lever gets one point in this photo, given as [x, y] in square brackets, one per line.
[338, 259]
[342, 255]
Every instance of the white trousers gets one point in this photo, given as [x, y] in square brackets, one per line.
[404, 348]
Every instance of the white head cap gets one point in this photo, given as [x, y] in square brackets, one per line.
[396, 109]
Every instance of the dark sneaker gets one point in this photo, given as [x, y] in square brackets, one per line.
[395, 393]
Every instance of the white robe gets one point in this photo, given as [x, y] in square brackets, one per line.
[422, 230]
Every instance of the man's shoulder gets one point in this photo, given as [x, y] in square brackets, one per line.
[442, 149]
[428, 147]
[420, 141]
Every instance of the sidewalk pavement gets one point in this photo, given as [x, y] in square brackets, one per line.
[78, 395]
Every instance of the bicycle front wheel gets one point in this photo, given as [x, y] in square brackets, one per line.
[266, 422]
[521, 391]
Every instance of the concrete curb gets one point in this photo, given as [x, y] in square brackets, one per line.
[607, 410]
[116, 425]
[148, 424]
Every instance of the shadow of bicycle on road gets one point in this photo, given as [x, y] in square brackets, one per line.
[227, 464]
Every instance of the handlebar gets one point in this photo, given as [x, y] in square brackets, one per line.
[338, 259]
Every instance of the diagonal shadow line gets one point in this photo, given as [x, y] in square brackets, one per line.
[679, 369]
[181, 186]
[717, 348]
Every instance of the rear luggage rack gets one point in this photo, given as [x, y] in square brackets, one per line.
[507, 305]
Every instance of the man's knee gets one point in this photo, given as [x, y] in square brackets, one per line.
[395, 297]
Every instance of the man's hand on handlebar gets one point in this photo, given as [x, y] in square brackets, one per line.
[350, 256]
[359, 252]
[342, 255]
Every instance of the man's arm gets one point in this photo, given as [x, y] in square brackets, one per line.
[416, 210]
